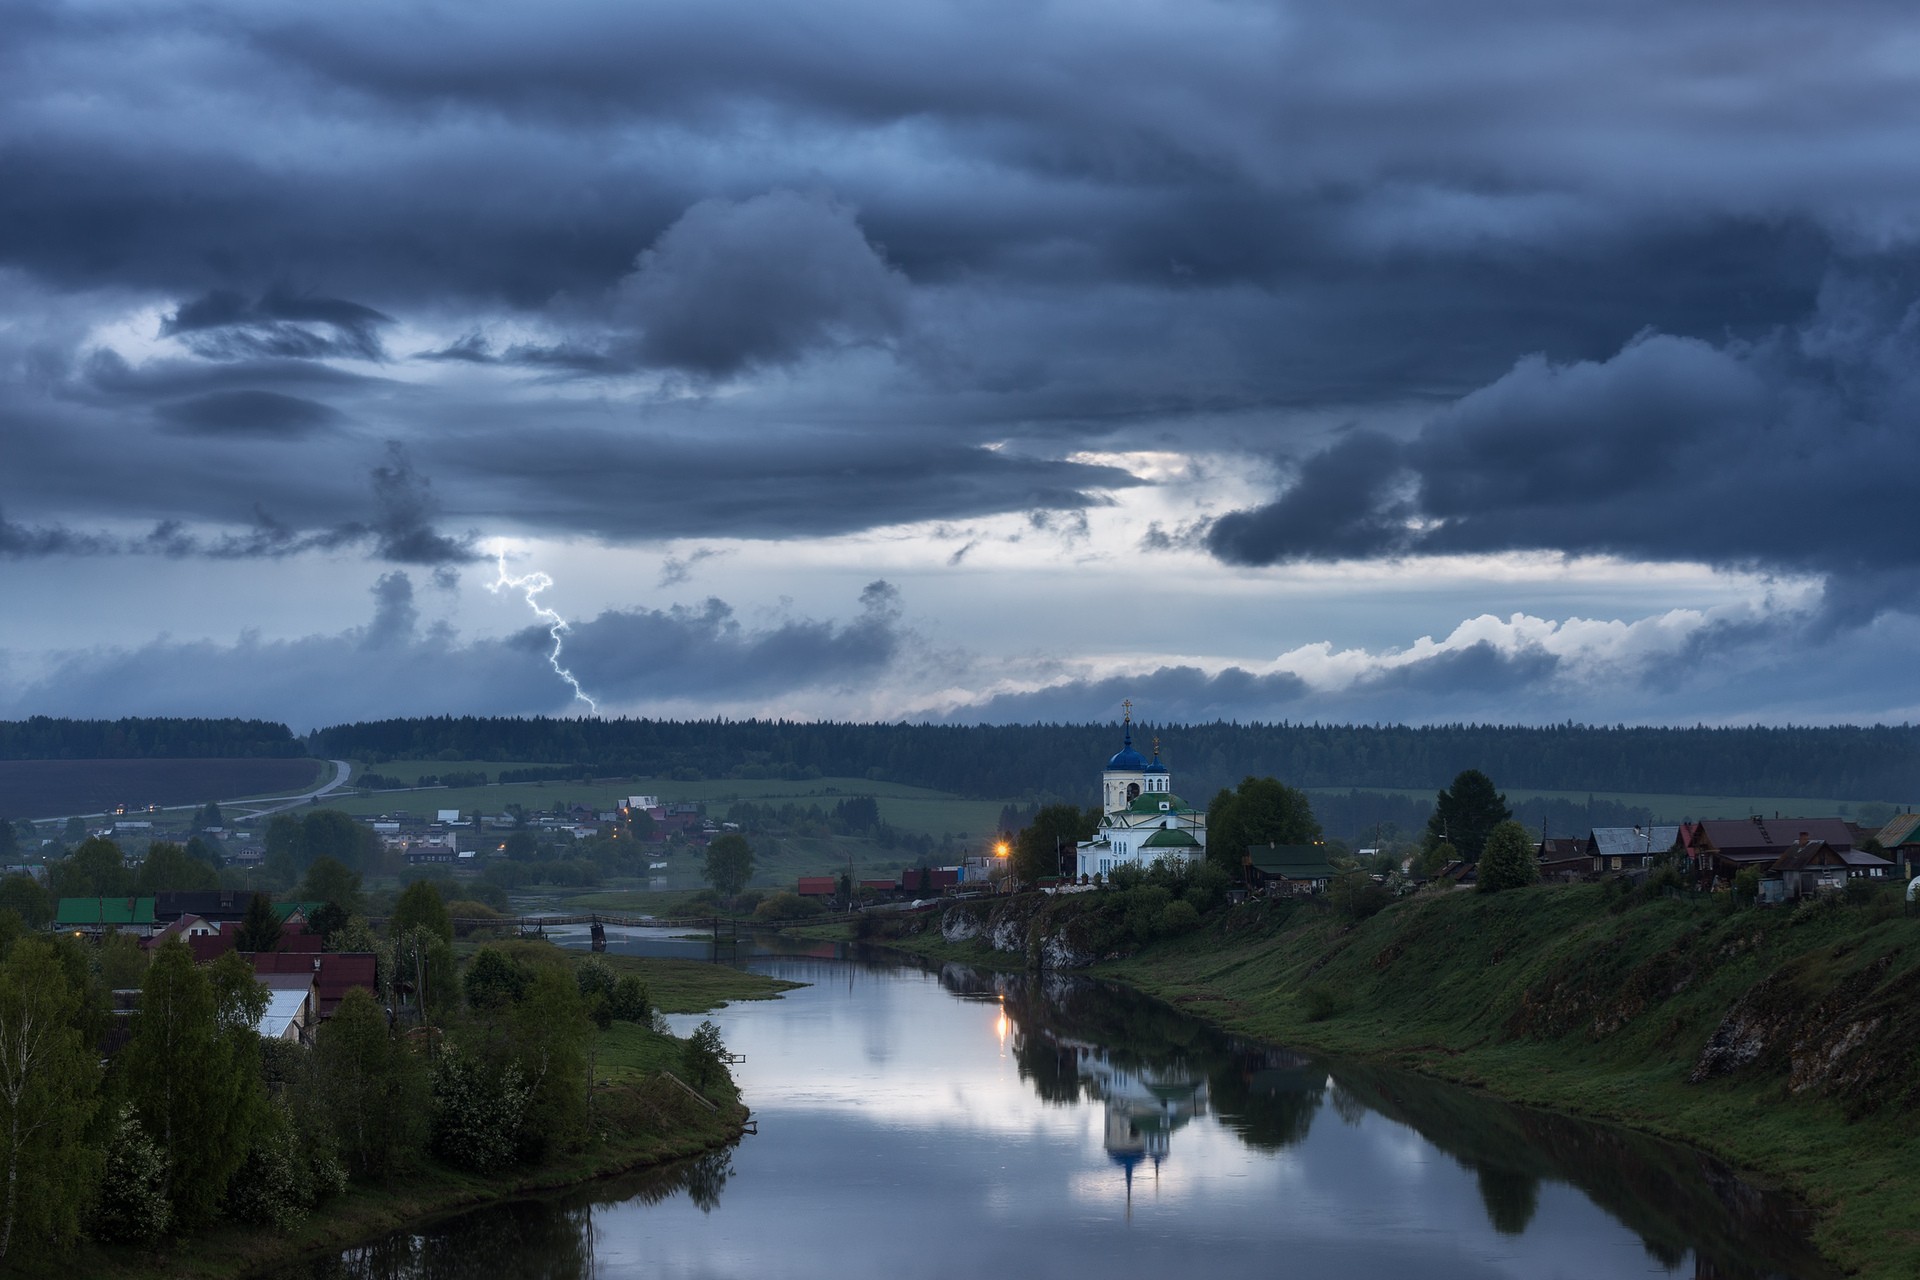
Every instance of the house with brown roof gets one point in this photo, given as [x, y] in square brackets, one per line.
[1718, 849]
[1809, 867]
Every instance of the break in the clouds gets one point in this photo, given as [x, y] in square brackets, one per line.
[1209, 333]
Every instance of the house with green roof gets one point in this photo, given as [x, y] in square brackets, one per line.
[95, 916]
[1288, 868]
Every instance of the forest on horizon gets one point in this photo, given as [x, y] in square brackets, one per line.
[1876, 763]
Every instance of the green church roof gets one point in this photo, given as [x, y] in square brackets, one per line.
[1150, 802]
[1170, 838]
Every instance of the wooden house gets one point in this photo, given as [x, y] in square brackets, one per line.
[1280, 869]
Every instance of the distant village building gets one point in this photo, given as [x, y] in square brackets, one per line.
[1142, 820]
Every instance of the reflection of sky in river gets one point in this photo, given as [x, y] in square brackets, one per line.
[898, 1138]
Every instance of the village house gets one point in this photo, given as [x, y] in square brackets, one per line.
[1627, 849]
[1718, 849]
[1278, 870]
[95, 917]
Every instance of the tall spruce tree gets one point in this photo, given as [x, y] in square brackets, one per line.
[1465, 813]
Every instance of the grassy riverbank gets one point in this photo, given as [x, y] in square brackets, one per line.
[1582, 999]
[640, 1118]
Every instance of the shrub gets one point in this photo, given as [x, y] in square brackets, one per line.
[748, 901]
[470, 914]
[631, 1001]
[494, 979]
[1746, 885]
[477, 1112]
[1179, 917]
[1356, 895]
[271, 1188]
[786, 906]
[132, 1206]
[1318, 1002]
[1508, 861]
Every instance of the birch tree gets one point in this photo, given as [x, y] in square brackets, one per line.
[48, 1094]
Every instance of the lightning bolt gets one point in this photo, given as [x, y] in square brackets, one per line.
[531, 585]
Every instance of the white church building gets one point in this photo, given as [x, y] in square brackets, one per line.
[1142, 820]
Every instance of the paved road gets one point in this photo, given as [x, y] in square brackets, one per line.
[249, 808]
[262, 808]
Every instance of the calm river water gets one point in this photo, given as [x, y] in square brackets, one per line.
[955, 1124]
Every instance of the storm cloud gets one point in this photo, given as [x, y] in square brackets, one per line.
[1220, 296]
[1671, 449]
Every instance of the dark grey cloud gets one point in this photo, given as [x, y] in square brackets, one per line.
[733, 285]
[404, 507]
[1671, 449]
[705, 652]
[401, 530]
[262, 415]
[792, 484]
[393, 666]
[20, 541]
[222, 325]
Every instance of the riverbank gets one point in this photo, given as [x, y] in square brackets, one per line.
[643, 1117]
[1782, 1041]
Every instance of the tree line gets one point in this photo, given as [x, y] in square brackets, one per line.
[146, 738]
[1061, 761]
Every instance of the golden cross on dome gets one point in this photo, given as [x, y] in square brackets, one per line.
[1128, 704]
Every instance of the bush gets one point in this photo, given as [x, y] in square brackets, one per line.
[1746, 885]
[632, 1002]
[1356, 895]
[494, 979]
[1508, 860]
[470, 914]
[1318, 1002]
[272, 1188]
[477, 1112]
[787, 906]
[748, 902]
[132, 1206]
[1179, 917]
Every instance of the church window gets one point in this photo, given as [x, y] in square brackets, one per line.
[1133, 791]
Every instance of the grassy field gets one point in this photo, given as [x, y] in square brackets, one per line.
[694, 986]
[58, 788]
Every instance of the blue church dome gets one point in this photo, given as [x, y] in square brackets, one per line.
[1126, 759]
[1156, 766]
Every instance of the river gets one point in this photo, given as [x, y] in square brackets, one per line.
[917, 1123]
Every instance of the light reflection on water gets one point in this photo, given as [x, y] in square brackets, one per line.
[915, 1123]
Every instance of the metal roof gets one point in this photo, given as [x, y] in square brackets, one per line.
[103, 911]
[1904, 829]
[1622, 841]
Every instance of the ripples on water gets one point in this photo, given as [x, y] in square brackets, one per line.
[955, 1123]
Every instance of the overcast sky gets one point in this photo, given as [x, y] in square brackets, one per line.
[1379, 360]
